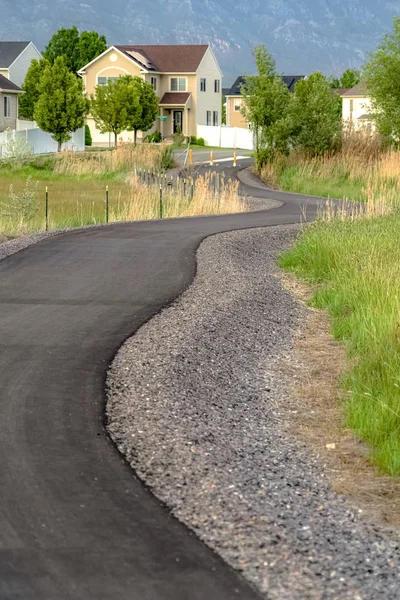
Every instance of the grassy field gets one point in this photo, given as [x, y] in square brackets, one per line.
[347, 175]
[76, 185]
[354, 267]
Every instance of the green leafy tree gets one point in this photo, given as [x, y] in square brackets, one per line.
[381, 76]
[315, 115]
[113, 106]
[266, 102]
[28, 100]
[142, 118]
[77, 49]
[349, 79]
[61, 107]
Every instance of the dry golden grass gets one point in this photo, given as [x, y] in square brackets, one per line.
[318, 417]
[208, 196]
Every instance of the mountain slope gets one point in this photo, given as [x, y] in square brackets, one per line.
[328, 35]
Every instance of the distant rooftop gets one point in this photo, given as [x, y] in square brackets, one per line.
[179, 58]
[358, 90]
[9, 51]
[8, 86]
[290, 81]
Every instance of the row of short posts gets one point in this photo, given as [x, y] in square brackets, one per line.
[166, 183]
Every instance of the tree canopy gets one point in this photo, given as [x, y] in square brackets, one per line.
[142, 118]
[114, 106]
[315, 115]
[77, 49]
[381, 76]
[347, 80]
[28, 100]
[61, 107]
[266, 102]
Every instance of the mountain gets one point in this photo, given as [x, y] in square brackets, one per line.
[303, 36]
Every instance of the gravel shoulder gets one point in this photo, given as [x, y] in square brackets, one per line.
[198, 402]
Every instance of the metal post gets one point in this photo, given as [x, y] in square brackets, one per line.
[161, 205]
[211, 159]
[106, 203]
[184, 187]
[47, 208]
[191, 190]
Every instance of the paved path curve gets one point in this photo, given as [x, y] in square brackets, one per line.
[74, 522]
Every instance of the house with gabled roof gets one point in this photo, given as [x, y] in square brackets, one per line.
[15, 60]
[9, 93]
[186, 78]
[234, 99]
[356, 108]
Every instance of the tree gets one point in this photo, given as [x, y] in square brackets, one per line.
[77, 49]
[28, 100]
[315, 115]
[349, 79]
[266, 102]
[113, 106]
[61, 107]
[142, 118]
[381, 76]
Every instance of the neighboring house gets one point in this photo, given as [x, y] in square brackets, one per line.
[8, 103]
[357, 108]
[234, 100]
[15, 60]
[186, 78]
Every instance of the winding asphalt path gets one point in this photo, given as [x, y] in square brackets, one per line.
[74, 521]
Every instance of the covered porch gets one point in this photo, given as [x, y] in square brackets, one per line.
[175, 106]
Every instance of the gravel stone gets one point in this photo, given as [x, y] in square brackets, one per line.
[197, 402]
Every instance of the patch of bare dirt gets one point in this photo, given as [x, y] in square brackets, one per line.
[318, 416]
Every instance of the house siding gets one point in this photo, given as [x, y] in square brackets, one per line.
[19, 69]
[361, 106]
[234, 118]
[11, 121]
[208, 100]
[189, 117]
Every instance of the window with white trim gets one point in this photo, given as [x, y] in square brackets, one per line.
[237, 104]
[203, 84]
[217, 86]
[209, 117]
[7, 106]
[178, 84]
[215, 117]
[105, 80]
[153, 82]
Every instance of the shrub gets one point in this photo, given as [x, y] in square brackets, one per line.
[193, 139]
[178, 137]
[88, 136]
[167, 158]
[154, 137]
[201, 142]
[21, 207]
[15, 149]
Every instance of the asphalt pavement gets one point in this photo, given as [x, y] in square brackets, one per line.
[75, 523]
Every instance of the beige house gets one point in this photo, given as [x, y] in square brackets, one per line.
[356, 108]
[234, 100]
[186, 79]
[9, 93]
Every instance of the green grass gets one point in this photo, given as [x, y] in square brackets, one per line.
[292, 179]
[354, 267]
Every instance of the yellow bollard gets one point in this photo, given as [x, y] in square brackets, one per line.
[234, 158]
[190, 157]
[211, 159]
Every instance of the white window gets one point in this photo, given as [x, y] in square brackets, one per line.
[209, 117]
[105, 80]
[203, 84]
[217, 86]
[237, 103]
[178, 84]
[153, 81]
[7, 106]
[215, 117]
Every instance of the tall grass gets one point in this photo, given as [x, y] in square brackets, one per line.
[354, 264]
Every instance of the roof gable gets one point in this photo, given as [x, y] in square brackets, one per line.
[180, 58]
[289, 80]
[358, 90]
[8, 86]
[9, 52]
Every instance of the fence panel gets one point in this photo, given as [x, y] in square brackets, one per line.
[226, 137]
[42, 142]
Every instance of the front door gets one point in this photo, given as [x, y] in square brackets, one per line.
[178, 120]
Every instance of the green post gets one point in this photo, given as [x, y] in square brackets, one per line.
[191, 190]
[161, 206]
[106, 203]
[47, 208]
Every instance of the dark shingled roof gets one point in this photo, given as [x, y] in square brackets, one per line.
[182, 58]
[290, 81]
[176, 98]
[8, 86]
[9, 51]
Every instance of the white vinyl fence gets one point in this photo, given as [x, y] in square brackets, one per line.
[41, 142]
[226, 137]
